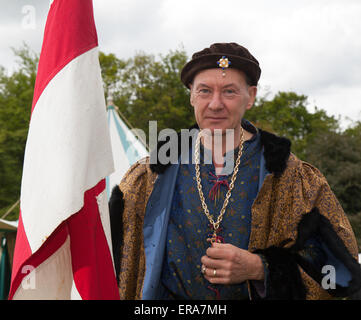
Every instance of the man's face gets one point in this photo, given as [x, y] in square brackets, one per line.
[220, 102]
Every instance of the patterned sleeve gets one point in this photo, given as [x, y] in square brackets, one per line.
[324, 255]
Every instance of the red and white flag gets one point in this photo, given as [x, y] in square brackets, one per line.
[63, 246]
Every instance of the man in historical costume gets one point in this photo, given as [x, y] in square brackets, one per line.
[264, 228]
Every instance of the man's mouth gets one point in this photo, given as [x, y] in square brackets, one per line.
[216, 118]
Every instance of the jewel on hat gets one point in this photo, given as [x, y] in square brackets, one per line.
[223, 63]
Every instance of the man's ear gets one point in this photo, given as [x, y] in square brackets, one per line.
[191, 95]
[252, 92]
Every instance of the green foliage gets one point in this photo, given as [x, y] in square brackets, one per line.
[111, 68]
[16, 93]
[355, 221]
[354, 130]
[149, 89]
[338, 156]
[287, 115]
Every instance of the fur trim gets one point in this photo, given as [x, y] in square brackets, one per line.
[116, 208]
[276, 150]
[313, 224]
[285, 281]
[284, 278]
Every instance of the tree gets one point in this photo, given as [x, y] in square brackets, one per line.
[111, 68]
[354, 130]
[338, 156]
[16, 94]
[146, 89]
[287, 115]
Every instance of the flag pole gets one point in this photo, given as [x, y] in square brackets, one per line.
[11, 209]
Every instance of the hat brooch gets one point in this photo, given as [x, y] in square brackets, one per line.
[223, 63]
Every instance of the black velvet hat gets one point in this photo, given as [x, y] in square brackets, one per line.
[233, 55]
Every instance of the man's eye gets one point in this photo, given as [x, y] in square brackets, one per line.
[229, 93]
[204, 91]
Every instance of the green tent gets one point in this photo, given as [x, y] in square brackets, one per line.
[5, 272]
[7, 238]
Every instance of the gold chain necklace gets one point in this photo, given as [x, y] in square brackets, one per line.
[216, 224]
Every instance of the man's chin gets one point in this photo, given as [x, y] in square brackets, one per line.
[216, 130]
[216, 127]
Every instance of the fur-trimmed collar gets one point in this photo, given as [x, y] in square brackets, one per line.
[276, 150]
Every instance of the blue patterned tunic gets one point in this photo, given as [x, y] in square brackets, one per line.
[189, 228]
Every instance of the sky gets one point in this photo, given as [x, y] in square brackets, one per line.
[311, 47]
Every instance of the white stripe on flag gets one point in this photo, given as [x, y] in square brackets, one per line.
[57, 128]
[51, 280]
[41, 282]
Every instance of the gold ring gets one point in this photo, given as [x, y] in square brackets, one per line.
[214, 272]
[203, 270]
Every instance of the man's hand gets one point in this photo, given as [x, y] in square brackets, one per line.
[232, 264]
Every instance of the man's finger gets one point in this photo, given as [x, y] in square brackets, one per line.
[226, 251]
[220, 251]
[212, 263]
[217, 280]
[212, 272]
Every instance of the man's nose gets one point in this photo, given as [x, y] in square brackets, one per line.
[216, 102]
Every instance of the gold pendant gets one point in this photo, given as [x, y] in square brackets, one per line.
[215, 238]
